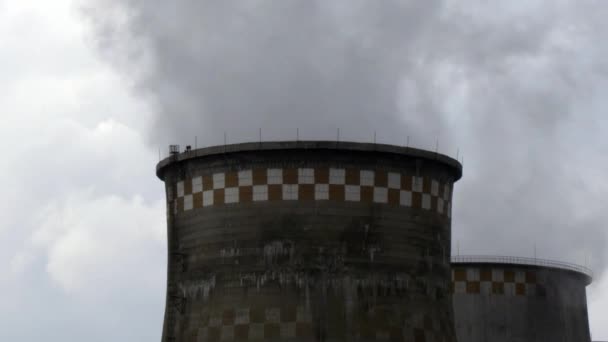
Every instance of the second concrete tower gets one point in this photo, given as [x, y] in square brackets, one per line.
[309, 241]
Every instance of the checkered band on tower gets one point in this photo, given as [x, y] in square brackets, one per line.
[496, 281]
[254, 323]
[313, 184]
[297, 323]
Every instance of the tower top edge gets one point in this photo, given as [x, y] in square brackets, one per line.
[503, 261]
[264, 146]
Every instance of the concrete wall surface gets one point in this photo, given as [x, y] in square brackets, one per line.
[518, 303]
[310, 244]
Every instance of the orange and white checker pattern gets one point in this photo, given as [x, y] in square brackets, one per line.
[318, 184]
[296, 322]
[255, 323]
[495, 281]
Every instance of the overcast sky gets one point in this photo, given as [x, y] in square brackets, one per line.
[90, 90]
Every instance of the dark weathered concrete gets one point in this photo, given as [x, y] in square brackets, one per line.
[307, 270]
[530, 303]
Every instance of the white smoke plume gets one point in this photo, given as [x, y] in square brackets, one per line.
[515, 85]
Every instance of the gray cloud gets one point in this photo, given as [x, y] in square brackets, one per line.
[80, 209]
[516, 85]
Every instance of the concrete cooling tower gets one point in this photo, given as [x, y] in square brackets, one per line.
[309, 241]
[508, 299]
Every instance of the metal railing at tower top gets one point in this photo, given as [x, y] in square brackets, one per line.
[511, 260]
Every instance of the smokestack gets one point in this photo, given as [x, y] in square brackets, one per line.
[499, 298]
[309, 241]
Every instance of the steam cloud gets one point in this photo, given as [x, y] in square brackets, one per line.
[516, 85]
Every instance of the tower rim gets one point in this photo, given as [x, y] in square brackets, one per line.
[308, 145]
[499, 260]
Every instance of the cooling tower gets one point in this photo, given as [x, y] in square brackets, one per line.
[308, 241]
[508, 299]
